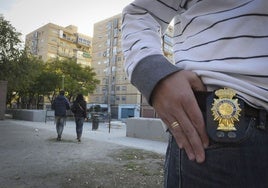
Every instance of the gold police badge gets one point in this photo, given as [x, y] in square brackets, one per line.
[225, 109]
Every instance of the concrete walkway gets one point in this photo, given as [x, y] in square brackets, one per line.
[116, 135]
[31, 157]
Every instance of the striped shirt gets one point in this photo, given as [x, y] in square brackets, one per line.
[225, 42]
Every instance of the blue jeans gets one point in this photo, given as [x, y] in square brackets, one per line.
[60, 122]
[79, 121]
[241, 165]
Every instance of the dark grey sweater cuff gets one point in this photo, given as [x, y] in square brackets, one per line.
[149, 71]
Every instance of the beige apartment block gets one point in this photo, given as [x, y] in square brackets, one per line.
[115, 90]
[54, 41]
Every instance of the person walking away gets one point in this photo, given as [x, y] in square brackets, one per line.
[79, 109]
[61, 104]
[213, 96]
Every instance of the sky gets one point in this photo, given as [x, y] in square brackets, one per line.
[29, 15]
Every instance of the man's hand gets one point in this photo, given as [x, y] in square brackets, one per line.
[174, 101]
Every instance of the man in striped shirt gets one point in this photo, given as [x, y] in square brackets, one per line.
[217, 44]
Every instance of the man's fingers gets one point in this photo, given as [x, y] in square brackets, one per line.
[175, 103]
[196, 119]
[183, 142]
[195, 82]
[193, 145]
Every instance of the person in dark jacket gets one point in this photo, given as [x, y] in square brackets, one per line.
[60, 105]
[79, 109]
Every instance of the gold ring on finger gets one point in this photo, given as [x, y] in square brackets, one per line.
[175, 124]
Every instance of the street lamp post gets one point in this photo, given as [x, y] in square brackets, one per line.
[63, 76]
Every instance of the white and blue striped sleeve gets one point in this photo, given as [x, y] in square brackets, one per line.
[143, 24]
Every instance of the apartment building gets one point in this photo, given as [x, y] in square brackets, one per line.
[115, 91]
[54, 41]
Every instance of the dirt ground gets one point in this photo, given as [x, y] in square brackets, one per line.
[125, 168]
[33, 158]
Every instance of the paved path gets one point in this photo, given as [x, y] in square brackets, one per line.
[117, 134]
[29, 150]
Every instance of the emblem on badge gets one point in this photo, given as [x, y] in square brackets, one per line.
[225, 109]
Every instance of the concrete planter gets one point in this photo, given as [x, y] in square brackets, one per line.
[146, 128]
[28, 115]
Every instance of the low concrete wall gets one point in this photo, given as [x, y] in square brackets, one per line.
[28, 115]
[146, 128]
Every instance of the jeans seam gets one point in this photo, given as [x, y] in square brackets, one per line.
[179, 170]
[168, 154]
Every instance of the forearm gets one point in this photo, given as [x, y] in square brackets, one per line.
[149, 72]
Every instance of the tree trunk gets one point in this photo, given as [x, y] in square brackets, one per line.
[3, 97]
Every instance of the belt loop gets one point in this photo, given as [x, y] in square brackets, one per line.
[262, 119]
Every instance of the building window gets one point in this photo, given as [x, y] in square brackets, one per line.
[114, 50]
[109, 26]
[115, 42]
[115, 23]
[53, 39]
[119, 58]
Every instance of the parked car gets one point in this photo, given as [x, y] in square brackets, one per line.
[100, 111]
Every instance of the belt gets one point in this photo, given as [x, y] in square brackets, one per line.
[260, 115]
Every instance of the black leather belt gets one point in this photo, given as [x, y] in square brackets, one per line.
[211, 105]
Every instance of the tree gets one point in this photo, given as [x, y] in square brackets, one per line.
[22, 77]
[45, 85]
[9, 56]
[9, 43]
[73, 77]
[30, 79]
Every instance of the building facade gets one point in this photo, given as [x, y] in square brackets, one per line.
[114, 89]
[53, 41]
